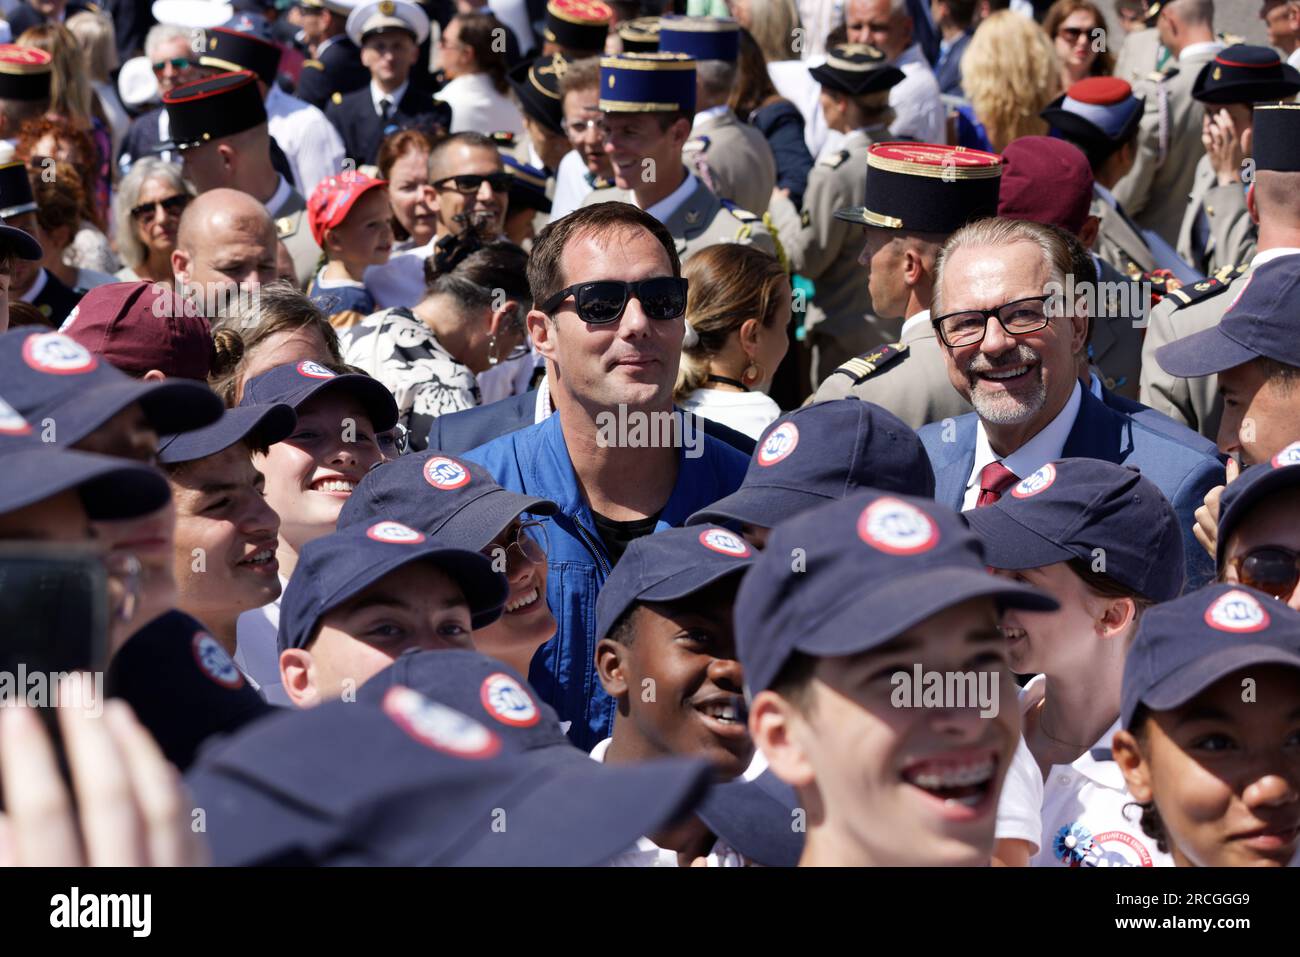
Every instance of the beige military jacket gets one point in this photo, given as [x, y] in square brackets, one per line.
[733, 159]
[292, 229]
[1232, 233]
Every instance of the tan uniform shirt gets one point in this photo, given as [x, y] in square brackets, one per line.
[1232, 234]
[733, 159]
[292, 229]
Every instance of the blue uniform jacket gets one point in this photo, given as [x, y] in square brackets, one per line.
[782, 124]
[535, 461]
[1184, 472]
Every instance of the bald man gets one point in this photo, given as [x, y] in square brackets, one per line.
[242, 161]
[225, 244]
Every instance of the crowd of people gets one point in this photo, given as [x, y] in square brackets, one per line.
[761, 433]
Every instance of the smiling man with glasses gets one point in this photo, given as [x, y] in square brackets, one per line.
[608, 316]
[1011, 348]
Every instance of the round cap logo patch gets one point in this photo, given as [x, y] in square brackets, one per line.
[779, 444]
[445, 474]
[1036, 482]
[508, 701]
[214, 661]
[897, 528]
[725, 542]
[314, 370]
[11, 421]
[57, 355]
[394, 533]
[437, 726]
[1288, 456]
[1238, 612]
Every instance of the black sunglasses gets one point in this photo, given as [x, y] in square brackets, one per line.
[470, 182]
[172, 204]
[602, 301]
[1271, 569]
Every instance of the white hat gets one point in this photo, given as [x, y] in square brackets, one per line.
[382, 14]
[136, 84]
[192, 13]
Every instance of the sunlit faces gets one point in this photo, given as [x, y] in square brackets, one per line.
[169, 77]
[1057, 642]
[234, 252]
[389, 56]
[225, 536]
[1224, 772]
[1274, 522]
[416, 606]
[582, 123]
[311, 474]
[641, 150]
[408, 194]
[280, 348]
[526, 621]
[772, 342]
[1259, 414]
[1075, 43]
[366, 234]
[455, 209]
[869, 21]
[632, 361]
[679, 687]
[882, 257]
[1010, 379]
[158, 231]
[885, 785]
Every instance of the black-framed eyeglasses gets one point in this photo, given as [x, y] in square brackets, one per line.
[172, 204]
[177, 63]
[1017, 318]
[603, 300]
[530, 540]
[1272, 569]
[470, 182]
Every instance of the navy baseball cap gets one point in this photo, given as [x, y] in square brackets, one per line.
[412, 782]
[870, 567]
[820, 452]
[1258, 322]
[669, 565]
[1071, 508]
[756, 818]
[337, 567]
[259, 425]
[1257, 482]
[46, 375]
[182, 685]
[1185, 645]
[453, 498]
[295, 382]
[32, 471]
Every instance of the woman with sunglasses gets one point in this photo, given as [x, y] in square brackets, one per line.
[1105, 543]
[1078, 32]
[147, 214]
[1258, 542]
[428, 355]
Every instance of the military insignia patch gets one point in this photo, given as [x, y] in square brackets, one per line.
[859, 367]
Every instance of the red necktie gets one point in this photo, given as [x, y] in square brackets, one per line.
[995, 478]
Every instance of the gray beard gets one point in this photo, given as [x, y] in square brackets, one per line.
[1004, 408]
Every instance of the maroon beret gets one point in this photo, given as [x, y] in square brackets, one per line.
[1045, 180]
[138, 326]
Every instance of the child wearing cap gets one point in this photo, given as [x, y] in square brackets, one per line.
[666, 654]
[1258, 541]
[1211, 728]
[834, 674]
[351, 221]
[1105, 543]
[309, 475]
[368, 592]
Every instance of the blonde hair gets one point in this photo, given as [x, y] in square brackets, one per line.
[69, 87]
[94, 32]
[1010, 72]
[728, 285]
[773, 24]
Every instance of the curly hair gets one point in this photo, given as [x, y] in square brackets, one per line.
[60, 197]
[1057, 14]
[1010, 73]
[84, 155]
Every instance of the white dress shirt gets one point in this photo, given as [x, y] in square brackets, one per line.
[477, 106]
[571, 185]
[794, 83]
[310, 142]
[917, 103]
[1020, 806]
[377, 96]
[746, 412]
[1294, 58]
[1211, 47]
[922, 318]
[1044, 447]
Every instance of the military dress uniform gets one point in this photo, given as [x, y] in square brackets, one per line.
[337, 67]
[840, 322]
[1217, 229]
[926, 188]
[665, 83]
[730, 157]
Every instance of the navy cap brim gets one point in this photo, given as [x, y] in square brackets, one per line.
[170, 406]
[1203, 353]
[23, 244]
[111, 488]
[755, 818]
[1235, 508]
[260, 425]
[905, 602]
[371, 393]
[680, 584]
[763, 506]
[1009, 544]
[473, 526]
[1185, 683]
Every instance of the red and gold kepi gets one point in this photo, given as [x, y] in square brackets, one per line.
[24, 73]
[210, 109]
[925, 187]
[578, 26]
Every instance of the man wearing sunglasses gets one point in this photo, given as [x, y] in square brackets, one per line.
[170, 52]
[648, 104]
[608, 316]
[1010, 343]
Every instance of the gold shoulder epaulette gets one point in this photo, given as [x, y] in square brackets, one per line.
[860, 367]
